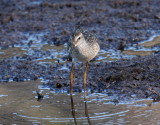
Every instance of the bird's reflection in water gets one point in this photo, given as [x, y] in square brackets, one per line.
[73, 110]
[86, 111]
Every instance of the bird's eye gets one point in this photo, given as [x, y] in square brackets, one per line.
[79, 38]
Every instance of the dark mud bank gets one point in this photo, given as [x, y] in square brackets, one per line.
[115, 22]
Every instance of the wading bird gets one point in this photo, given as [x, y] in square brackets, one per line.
[83, 47]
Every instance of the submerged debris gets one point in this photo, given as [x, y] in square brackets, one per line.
[40, 96]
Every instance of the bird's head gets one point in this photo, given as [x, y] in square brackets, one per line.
[77, 38]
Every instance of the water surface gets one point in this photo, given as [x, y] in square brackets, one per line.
[19, 105]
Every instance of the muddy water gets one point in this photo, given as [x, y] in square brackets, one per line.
[152, 42]
[144, 48]
[19, 105]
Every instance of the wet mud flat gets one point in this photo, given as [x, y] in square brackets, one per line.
[127, 78]
[116, 24]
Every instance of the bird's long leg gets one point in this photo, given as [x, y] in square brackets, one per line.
[71, 78]
[85, 78]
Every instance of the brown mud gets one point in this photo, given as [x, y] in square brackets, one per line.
[116, 23]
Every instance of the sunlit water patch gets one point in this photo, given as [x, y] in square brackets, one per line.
[19, 105]
[152, 42]
[144, 48]
[36, 2]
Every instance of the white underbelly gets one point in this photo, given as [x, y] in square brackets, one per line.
[85, 53]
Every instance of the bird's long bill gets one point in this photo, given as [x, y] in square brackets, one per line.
[74, 43]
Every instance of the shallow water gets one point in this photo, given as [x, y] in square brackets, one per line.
[19, 105]
[153, 41]
[144, 48]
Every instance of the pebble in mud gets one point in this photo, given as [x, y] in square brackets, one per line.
[58, 85]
